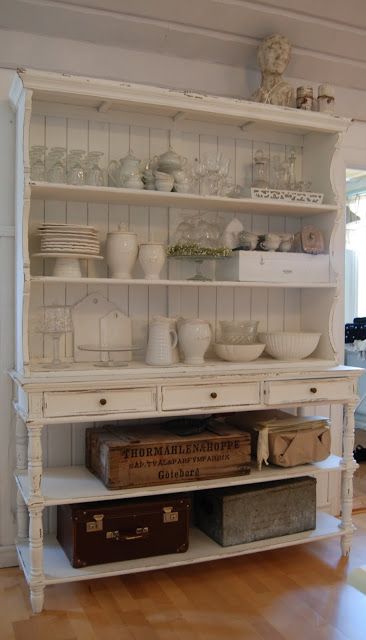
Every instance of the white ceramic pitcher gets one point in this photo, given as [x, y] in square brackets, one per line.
[162, 342]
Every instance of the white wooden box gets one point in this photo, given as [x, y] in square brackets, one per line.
[261, 266]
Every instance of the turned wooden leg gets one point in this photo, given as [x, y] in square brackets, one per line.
[36, 577]
[21, 465]
[22, 518]
[34, 462]
[349, 467]
[20, 444]
[35, 508]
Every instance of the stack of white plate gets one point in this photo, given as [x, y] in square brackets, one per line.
[70, 239]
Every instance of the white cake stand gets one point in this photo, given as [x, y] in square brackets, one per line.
[67, 265]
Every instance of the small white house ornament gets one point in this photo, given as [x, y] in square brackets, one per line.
[273, 56]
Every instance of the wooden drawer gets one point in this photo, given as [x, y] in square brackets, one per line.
[288, 391]
[210, 395]
[95, 402]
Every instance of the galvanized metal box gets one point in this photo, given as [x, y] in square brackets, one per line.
[238, 515]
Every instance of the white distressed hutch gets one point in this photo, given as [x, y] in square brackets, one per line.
[53, 407]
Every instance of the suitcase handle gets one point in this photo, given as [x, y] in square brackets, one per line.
[141, 533]
[136, 537]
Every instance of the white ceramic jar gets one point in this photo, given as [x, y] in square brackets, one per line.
[152, 256]
[122, 249]
[194, 338]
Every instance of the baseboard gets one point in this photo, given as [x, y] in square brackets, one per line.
[8, 557]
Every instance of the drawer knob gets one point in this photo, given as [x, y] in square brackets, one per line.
[103, 402]
[313, 389]
[213, 395]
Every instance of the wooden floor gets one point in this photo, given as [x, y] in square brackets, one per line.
[299, 593]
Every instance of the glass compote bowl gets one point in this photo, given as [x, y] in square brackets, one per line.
[198, 240]
[185, 232]
[54, 321]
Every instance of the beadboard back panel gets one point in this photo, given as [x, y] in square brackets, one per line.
[276, 309]
[115, 135]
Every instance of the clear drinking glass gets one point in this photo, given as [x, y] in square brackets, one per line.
[95, 175]
[75, 167]
[37, 163]
[56, 165]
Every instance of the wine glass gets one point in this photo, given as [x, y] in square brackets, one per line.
[55, 321]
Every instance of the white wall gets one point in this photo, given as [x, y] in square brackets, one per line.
[19, 49]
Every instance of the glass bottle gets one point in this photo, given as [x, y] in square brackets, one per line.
[260, 170]
[291, 170]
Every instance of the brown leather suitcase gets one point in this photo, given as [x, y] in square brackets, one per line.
[99, 532]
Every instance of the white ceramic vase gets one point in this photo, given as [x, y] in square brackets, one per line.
[122, 252]
[152, 256]
[194, 339]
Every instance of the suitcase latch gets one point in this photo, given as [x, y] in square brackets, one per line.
[169, 515]
[96, 524]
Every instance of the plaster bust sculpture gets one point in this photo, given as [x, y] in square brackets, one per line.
[273, 57]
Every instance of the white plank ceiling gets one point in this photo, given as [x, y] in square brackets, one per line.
[329, 36]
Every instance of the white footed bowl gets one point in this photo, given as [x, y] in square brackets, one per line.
[289, 345]
[238, 352]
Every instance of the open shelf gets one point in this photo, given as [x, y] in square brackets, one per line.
[66, 485]
[147, 198]
[201, 549]
[185, 283]
[113, 96]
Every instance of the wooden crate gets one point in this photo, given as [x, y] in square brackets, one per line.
[256, 512]
[149, 455]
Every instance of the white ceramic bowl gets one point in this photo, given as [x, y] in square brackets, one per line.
[238, 352]
[289, 345]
